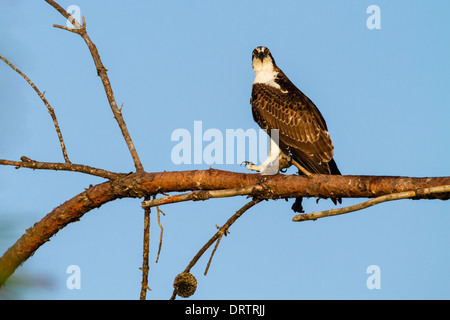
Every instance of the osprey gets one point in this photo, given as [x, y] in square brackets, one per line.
[301, 131]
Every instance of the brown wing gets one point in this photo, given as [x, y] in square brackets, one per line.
[302, 129]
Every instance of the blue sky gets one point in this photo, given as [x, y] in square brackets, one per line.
[384, 94]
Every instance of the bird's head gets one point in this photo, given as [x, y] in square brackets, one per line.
[264, 66]
[262, 59]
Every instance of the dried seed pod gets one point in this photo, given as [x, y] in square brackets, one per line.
[185, 284]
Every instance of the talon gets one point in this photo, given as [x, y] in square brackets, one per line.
[252, 167]
[247, 163]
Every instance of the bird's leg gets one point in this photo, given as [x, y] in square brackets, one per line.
[273, 155]
[284, 161]
[272, 169]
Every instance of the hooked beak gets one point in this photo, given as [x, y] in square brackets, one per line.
[261, 56]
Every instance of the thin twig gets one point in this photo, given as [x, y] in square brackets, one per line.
[221, 231]
[63, 12]
[74, 30]
[372, 202]
[161, 233]
[67, 166]
[145, 254]
[51, 111]
[102, 73]
[203, 195]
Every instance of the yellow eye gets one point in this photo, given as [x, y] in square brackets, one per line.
[254, 52]
[268, 51]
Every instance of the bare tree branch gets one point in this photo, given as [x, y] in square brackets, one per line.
[201, 195]
[67, 166]
[372, 202]
[145, 255]
[159, 211]
[222, 232]
[217, 237]
[51, 111]
[102, 73]
[139, 185]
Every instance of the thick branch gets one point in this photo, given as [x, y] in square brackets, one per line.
[139, 185]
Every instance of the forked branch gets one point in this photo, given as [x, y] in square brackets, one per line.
[216, 238]
[139, 185]
[102, 73]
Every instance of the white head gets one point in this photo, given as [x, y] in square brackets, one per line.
[264, 67]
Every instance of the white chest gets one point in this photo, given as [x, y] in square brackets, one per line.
[265, 73]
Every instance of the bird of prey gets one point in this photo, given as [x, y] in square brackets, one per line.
[301, 130]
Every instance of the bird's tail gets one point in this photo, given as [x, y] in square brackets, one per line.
[297, 206]
[335, 171]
